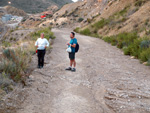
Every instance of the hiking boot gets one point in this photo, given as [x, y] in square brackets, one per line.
[69, 69]
[73, 69]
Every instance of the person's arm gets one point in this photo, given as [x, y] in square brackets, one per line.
[36, 43]
[47, 44]
[74, 44]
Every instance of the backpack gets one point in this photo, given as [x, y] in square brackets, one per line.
[77, 48]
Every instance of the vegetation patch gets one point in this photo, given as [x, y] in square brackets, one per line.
[139, 3]
[132, 45]
[15, 63]
[47, 34]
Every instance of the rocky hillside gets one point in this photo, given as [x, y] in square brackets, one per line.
[105, 17]
[75, 13]
[34, 6]
[120, 16]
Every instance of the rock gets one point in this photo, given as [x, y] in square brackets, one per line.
[45, 81]
[133, 57]
[145, 63]
[31, 78]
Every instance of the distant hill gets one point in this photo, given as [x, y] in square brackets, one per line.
[15, 11]
[34, 6]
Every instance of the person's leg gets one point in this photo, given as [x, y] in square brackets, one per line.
[42, 58]
[71, 63]
[39, 60]
[74, 63]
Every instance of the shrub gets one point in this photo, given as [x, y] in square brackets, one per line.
[86, 32]
[100, 24]
[145, 55]
[47, 34]
[133, 49]
[11, 30]
[77, 29]
[145, 44]
[4, 81]
[11, 38]
[139, 2]
[121, 13]
[89, 20]
[108, 39]
[14, 63]
[80, 19]
[6, 44]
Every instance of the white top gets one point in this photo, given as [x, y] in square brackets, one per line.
[41, 43]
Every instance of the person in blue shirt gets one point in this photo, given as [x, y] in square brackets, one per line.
[72, 44]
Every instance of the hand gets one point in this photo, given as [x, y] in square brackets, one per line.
[37, 46]
[68, 44]
[45, 46]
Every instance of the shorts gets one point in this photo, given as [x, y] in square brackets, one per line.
[72, 56]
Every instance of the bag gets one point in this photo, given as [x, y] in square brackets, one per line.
[77, 48]
[69, 50]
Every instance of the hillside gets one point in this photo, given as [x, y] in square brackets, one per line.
[121, 16]
[115, 16]
[34, 6]
[14, 11]
[77, 14]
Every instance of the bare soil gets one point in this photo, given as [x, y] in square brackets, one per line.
[106, 81]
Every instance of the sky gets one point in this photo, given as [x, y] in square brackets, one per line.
[74, 0]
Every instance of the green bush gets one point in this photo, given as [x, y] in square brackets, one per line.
[47, 34]
[122, 39]
[139, 2]
[145, 44]
[133, 49]
[108, 39]
[145, 55]
[80, 19]
[77, 29]
[132, 45]
[6, 44]
[86, 32]
[14, 63]
[125, 39]
[100, 24]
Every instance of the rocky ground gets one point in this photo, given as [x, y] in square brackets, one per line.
[106, 81]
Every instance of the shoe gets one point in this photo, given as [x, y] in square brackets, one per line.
[69, 69]
[73, 69]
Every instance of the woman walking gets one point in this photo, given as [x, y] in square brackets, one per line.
[41, 44]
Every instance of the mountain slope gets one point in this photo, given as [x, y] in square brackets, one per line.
[34, 6]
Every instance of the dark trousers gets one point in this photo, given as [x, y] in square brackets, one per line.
[41, 54]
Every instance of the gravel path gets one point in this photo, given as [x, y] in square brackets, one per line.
[106, 81]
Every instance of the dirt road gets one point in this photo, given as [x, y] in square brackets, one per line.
[106, 81]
